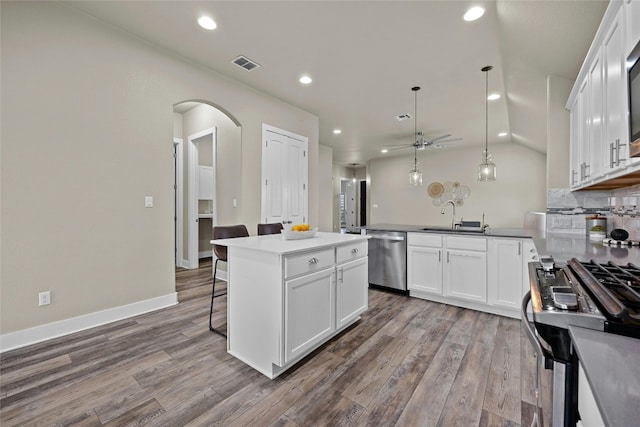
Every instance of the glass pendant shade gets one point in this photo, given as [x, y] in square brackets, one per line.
[487, 169]
[415, 177]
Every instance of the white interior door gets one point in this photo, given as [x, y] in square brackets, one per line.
[284, 176]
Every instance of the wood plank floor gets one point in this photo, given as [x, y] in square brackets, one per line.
[408, 362]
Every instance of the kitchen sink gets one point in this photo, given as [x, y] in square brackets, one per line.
[445, 229]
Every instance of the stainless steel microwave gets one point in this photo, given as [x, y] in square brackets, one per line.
[634, 101]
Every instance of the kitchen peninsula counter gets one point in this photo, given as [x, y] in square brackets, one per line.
[285, 298]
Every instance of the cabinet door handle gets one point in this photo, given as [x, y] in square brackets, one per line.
[439, 256]
[573, 177]
[612, 162]
[618, 145]
[354, 251]
[447, 256]
[586, 168]
[341, 271]
[314, 260]
[519, 248]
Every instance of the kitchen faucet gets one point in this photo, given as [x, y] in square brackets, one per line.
[453, 217]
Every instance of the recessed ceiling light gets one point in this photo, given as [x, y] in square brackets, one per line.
[207, 23]
[493, 96]
[337, 131]
[384, 150]
[502, 134]
[305, 80]
[473, 14]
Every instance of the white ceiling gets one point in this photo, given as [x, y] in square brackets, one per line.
[364, 57]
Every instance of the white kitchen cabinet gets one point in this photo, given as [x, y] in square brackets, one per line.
[288, 297]
[580, 137]
[284, 176]
[505, 273]
[529, 254]
[596, 160]
[465, 272]
[589, 413]
[483, 273]
[632, 21]
[352, 286]
[616, 136]
[309, 312]
[424, 263]
[598, 103]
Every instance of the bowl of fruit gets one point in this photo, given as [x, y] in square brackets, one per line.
[298, 231]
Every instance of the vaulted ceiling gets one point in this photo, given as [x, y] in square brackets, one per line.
[364, 57]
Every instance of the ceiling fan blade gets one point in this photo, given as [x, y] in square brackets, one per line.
[430, 140]
[400, 148]
[399, 145]
[444, 141]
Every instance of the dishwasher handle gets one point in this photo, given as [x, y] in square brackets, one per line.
[387, 237]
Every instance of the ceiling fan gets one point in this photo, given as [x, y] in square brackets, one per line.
[422, 143]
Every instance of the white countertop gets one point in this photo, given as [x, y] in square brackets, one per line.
[275, 243]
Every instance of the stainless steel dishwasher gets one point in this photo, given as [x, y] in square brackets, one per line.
[388, 259]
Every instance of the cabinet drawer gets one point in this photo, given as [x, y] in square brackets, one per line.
[468, 243]
[351, 251]
[424, 239]
[308, 262]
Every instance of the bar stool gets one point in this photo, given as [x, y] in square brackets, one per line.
[223, 232]
[273, 228]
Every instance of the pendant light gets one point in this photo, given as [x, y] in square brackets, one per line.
[415, 176]
[354, 171]
[486, 169]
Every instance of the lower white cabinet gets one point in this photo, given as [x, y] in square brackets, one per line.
[505, 272]
[424, 263]
[352, 285]
[478, 272]
[465, 275]
[589, 413]
[309, 312]
[282, 306]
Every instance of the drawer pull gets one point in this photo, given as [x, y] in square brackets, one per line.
[354, 251]
[314, 260]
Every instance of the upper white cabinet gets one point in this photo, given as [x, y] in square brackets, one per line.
[284, 176]
[599, 101]
[632, 12]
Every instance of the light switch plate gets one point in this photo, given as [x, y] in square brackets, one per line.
[148, 201]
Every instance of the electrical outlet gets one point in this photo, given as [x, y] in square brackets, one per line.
[44, 298]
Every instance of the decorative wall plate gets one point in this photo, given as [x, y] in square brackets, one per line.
[435, 189]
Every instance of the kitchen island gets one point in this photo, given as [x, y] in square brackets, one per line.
[287, 297]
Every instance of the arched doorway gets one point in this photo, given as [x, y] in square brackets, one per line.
[207, 154]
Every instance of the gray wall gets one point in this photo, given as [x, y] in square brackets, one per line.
[87, 128]
[520, 186]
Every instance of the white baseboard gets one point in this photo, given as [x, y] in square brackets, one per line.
[205, 254]
[45, 332]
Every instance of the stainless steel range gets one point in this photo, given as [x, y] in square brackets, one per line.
[600, 296]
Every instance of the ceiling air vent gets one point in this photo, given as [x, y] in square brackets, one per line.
[244, 62]
[403, 117]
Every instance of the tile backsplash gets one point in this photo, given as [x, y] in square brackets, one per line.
[567, 210]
